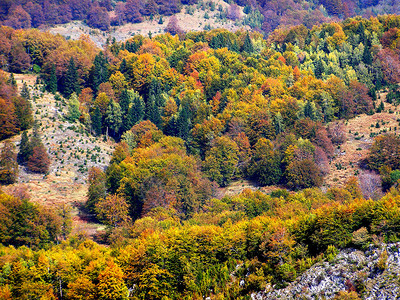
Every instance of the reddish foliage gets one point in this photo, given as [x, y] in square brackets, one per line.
[39, 161]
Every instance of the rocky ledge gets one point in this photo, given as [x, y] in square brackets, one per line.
[373, 273]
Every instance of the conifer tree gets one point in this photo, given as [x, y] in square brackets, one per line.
[38, 161]
[52, 81]
[25, 92]
[71, 84]
[248, 44]
[25, 148]
[99, 72]
[135, 112]
[114, 118]
[96, 121]
[12, 81]
[183, 122]
[8, 164]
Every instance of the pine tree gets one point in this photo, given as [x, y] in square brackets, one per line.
[71, 84]
[73, 108]
[248, 44]
[114, 118]
[25, 148]
[52, 81]
[183, 122]
[278, 123]
[309, 111]
[122, 67]
[124, 102]
[135, 112]
[8, 164]
[96, 121]
[99, 72]
[12, 81]
[25, 92]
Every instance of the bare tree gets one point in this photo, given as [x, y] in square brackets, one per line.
[371, 185]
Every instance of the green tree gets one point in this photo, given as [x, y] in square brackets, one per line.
[25, 92]
[135, 112]
[8, 164]
[99, 72]
[25, 148]
[73, 108]
[97, 188]
[96, 121]
[51, 84]
[221, 160]
[71, 80]
[264, 165]
[248, 44]
[113, 118]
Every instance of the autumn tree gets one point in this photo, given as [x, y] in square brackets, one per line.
[112, 210]
[8, 164]
[132, 11]
[221, 160]
[173, 26]
[264, 165]
[39, 161]
[8, 121]
[97, 188]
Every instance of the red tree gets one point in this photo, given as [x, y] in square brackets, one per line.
[39, 161]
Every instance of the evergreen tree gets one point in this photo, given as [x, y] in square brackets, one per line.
[12, 81]
[25, 92]
[73, 108]
[8, 164]
[25, 148]
[52, 81]
[99, 72]
[309, 111]
[135, 112]
[122, 67]
[248, 44]
[278, 123]
[71, 84]
[96, 121]
[319, 68]
[367, 57]
[183, 122]
[113, 118]
[124, 102]
[23, 111]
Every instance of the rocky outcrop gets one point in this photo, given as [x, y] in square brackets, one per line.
[373, 273]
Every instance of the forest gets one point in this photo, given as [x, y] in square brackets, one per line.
[263, 16]
[189, 114]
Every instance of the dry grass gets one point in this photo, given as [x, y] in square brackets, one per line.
[346, 162]
[195, 22]
[68, 149]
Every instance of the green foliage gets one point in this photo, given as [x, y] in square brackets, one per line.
[8, 164]
[73, 108]
[221, 161]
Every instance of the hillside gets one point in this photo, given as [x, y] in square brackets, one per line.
[193, 21]
[369, 272]
[72, 152]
